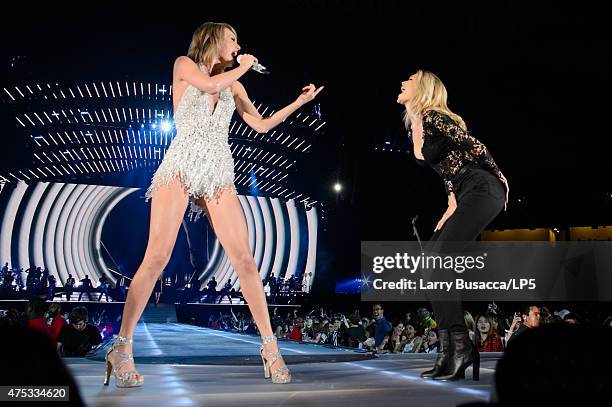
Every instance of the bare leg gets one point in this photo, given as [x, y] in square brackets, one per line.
[227, 220]
[167, 210]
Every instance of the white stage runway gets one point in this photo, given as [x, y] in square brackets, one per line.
[186, 365]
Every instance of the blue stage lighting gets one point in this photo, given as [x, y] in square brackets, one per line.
[253, 189]
[166, 126]
[350, 286]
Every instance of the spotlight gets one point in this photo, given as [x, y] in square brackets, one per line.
[166, 126]
[337, 187]
[154, 126]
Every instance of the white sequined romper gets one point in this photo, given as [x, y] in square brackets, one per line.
[199, 156]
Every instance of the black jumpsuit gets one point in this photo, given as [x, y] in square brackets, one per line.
[467, 169]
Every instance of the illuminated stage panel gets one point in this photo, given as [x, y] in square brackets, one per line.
[311, 260]
[270, 237]
[25, 249]
[59, 227]
[68, 126]
[8, 222]
[112, 198]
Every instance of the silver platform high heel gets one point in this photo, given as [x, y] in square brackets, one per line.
[122, 379]
[280, 375]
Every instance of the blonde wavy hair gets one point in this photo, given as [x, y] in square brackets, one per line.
[430, 95]
[207, 42]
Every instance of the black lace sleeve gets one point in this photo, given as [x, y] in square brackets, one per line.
[467, 148]
[449, 128]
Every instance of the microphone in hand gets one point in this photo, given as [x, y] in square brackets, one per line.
[257, 67]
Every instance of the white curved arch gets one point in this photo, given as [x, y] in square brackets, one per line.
[83, 232]
[49, 231]
[8, 223]
[62, 226]
[109, 203]
[39, 230]
[294, 228]
[280, 237]
[68, 218]
[259, 232]
[311, 259]
[55, 232]
[269, 239]
[26, 225]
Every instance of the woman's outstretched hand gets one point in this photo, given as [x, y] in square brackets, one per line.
[452, 205]
[309, 92]
[505, 182]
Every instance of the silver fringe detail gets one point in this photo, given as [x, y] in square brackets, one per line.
[200, 155]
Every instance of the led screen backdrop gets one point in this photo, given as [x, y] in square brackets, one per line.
[60, 226]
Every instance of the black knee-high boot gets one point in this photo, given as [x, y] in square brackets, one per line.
[463, 353]
[440, 366]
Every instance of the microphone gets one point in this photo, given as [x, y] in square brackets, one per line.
[257, 67]
[415, 231]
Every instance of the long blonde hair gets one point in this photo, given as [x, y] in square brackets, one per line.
[207, 42]
[430, 95]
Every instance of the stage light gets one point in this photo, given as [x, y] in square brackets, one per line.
[337, 187]
[154, 126]
[166, 126]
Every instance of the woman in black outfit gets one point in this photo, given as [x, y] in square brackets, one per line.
[477, 192]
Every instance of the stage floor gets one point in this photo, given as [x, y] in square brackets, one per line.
[186, 365]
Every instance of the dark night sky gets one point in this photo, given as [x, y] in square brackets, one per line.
[529, 80]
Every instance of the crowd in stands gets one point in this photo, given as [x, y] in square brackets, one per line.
[412, 332]
[72, 334]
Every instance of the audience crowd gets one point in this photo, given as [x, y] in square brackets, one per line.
[412, 332]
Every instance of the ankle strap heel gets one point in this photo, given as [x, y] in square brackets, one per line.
[122, 379]
[280, 374]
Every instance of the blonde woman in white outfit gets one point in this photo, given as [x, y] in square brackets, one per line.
[198, 166]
